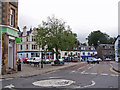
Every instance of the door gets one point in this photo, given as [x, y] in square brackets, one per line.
[11, 55]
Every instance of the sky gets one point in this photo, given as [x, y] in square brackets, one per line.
[83, 16]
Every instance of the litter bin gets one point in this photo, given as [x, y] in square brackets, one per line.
[19, 66]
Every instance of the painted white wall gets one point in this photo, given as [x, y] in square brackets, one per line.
[116, 49]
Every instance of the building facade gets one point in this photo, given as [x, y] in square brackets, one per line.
[8, 34]
[28, 47]
[87, 51]
[117, 49]
[106, 51]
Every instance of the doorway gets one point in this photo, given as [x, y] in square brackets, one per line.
[11, 55]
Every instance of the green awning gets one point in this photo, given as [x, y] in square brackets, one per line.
[18, 40]
[109, 55]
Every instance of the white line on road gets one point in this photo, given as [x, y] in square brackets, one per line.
[114, 75]
[93, 83]
[103, 74]
[93, 73]
[9, 86]
[83, 72]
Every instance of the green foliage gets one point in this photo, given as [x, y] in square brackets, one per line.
[96, 36]
[55, 35]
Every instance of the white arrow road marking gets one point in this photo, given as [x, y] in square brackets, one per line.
[9, 86]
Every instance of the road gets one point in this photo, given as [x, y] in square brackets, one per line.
[80, 76]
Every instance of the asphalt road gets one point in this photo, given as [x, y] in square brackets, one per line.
[81, 76]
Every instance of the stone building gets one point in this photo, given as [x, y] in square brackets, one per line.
[106, 51]
[8, 36]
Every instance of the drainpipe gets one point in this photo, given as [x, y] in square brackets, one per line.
[1, 54]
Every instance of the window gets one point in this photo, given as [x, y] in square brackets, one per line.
[21, 47]
[27, 39]
[32, 46]
[65, 53]
[27, 46]
[88, 53]
[33, 38]
[27, 54]
[83, 53]
[76, 53]
[12, 17]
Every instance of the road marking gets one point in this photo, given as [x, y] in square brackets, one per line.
[53, 83]
[83, 72]
[111, 69]
[114, 75]
[89, 67]
[93, 83]
[83, 67]
[93, 73]
[103, 74]
[9, 86]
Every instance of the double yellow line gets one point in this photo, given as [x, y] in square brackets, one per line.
[111, 69]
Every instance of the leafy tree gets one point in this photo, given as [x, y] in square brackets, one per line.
[55, 35]
[96, 36]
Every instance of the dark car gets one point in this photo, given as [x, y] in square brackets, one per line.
[67, 59]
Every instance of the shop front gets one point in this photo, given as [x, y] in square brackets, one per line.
[8, 49]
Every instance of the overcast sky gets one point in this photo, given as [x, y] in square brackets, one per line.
[83, 16]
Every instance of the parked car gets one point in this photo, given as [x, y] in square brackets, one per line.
[99, 59]
[21, 60]
[46, 61]
[75, 59]
[67, 59]
[61, 61]
[25, 60]
[92, 60]
[33, 59]
[108, 59]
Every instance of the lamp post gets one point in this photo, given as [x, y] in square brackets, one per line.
[42, 60]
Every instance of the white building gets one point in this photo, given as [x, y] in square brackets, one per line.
[117, 49]
[87, 51]
[28, 47]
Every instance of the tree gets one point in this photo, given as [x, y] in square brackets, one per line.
[55, 35]
[96, 36]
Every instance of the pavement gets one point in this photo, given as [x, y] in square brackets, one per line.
[28, 70]
[116, 66]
